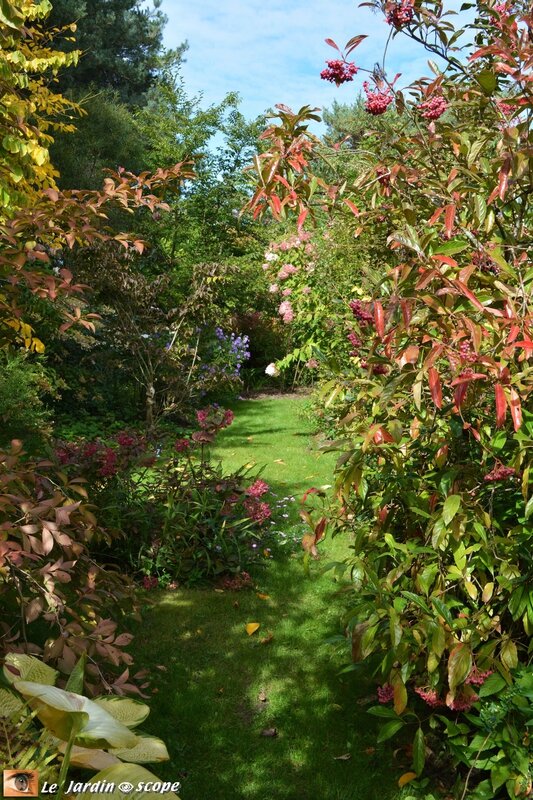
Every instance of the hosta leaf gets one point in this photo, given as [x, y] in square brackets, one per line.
[28, 668]
[147, 749]
[130, 774]
[10, 704]
[63, 712]
[127, 710]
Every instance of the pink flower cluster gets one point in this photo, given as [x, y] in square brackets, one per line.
[385, 693]
[101, 459]
[286, 271]
[433, 108]
[286, 312]
[150, 582]
[499, 473]
[109, 463]
[182, 445]
[339, 71]
[258, 488]
[293, 241]
[256, 510]
[377, 101]
[213, 418]
[399, 14]
[477, 677]
[429, 696]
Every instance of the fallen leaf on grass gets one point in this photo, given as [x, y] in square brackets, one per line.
[252, 627]
[236, 604]
[345, 757]
[407, 777]
[262, 696]
[220, 591]
[262, 596]
[269, 732]
[266, 639]
[279, 461]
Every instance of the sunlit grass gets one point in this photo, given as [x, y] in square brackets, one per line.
[218, 689]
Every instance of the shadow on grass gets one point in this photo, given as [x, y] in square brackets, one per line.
[222, 688]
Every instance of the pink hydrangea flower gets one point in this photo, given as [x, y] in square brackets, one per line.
[258, 488]
[257, 511]
[286, 312]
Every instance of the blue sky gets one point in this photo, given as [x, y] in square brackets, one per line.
[272, 51]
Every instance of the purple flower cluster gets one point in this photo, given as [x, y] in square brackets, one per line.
[233, 350]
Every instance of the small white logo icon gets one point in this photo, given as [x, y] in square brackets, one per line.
[126, 787]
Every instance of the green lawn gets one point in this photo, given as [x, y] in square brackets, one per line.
[218, 689]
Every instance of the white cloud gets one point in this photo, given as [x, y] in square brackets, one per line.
[273, 52]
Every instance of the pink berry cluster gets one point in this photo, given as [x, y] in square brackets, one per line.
[429, 696]
[355, 341]
[485, 263]
[504, 108]
[339, 71]
[433, 108]
[383, 175]
[379, 369]
[499, 473]
[377, 101]
[463, 702]
[477, 677]
[385, 693]
[400, 14]
[466, 353]
[362, 315]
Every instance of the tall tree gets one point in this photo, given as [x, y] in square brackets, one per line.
[120, 40]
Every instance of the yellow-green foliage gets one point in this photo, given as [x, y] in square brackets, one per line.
[30, 111]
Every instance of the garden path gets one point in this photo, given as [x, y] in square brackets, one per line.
[221, 692]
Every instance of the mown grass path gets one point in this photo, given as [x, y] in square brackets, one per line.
[219, 689]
